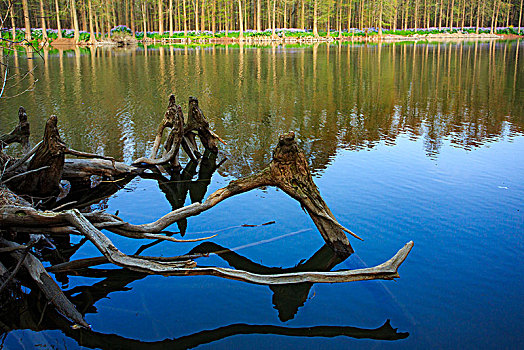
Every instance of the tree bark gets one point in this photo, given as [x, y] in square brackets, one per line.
[160, 18]
[27, 22]
[44, 27]
[75, 21]
[19, 134]
[50, 153]
[92, 38]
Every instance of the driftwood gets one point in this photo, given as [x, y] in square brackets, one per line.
[51, 153]
[19, 134]
[40, 172]
[197, 122]
[47, 284]
[174, 119]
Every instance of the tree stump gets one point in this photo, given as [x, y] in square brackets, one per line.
[19, 134]
[50, 154]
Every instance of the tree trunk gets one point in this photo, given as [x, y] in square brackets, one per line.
[315, 18]
[380, 18]
[160, 18]
[440, 15]
[13, 24]
[452, 12]
[520, 15]
[92, 38]
[197, 23]
[132, 14]
[44, 27]
[259, 15]
[75, 21]
[50, 153]
[303, 15]
[213, 18]
[241, 19]
[58, 25]
[20, 133]
[202, 17]
[170, 14]
[185, 17]
[27, 22]
[84, 19]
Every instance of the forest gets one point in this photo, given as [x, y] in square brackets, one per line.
[95, 19]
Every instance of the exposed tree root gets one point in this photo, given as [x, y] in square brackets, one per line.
[41, 170]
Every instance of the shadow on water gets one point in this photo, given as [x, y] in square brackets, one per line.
[30, 311]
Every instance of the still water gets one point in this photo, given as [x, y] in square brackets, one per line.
[419, 142]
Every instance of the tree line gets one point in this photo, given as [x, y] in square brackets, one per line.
[211, 16]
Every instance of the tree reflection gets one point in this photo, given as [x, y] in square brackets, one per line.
[333, 96]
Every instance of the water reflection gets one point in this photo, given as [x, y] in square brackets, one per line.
[28, 313]
[333, 96]
[287, 298]
[29, 310]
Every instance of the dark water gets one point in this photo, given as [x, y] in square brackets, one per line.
[419, 142]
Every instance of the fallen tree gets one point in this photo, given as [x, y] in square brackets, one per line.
[30, 207]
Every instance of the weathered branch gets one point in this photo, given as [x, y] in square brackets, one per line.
[387, 270]
[174, 119]
[78, 168]
[49, 153]
[47, 285]
[167, 122]
[20, 133]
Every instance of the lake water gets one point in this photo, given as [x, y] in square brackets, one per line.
[419, 142]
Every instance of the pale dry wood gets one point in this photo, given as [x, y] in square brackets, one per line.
[78, 168]
[167, 122]
[23, 159]
[47, 285]
[387, 270]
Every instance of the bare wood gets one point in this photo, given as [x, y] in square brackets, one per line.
[387, 270]
[49, 153]
[25, 173]
[288, 170]
[19, 134]
[87, 155]
[100, 260]
[196, 121]
[108, 249]
[174, 119]
[47, 285]
[77, 168]
[23, 159]
[167, 122]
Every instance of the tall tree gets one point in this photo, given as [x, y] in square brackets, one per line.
[13, 24]
[58, 25]
[27, 22]
[520, 15]
[170, 14]
[44, 27]
[76, 36]
[259, 15]
[241, 19]
[92, 38]
[160, 18]
[315, 18]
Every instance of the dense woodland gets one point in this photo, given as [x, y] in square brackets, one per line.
[254, 16]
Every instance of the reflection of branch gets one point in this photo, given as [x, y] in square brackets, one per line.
[113, 341]
[88, 338]
[287, 298]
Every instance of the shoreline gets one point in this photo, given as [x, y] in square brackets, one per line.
[67, 43]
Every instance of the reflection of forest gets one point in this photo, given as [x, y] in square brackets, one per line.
[332, 96]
